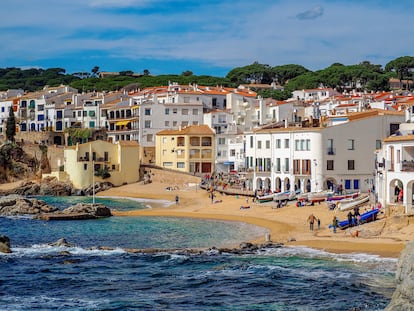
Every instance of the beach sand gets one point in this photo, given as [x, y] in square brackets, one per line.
[385, 237]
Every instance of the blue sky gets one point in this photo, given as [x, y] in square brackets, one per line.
[207, 37]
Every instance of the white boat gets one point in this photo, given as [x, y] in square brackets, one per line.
[314, 197]
[348, 204]
[283, 196]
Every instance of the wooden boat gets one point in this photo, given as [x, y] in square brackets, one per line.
[284, 196]
[314, 197]
[365, 217]
[348, 204]
[265, 198]
[340, 197]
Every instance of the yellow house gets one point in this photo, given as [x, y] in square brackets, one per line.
[120, 160]
[190, 149]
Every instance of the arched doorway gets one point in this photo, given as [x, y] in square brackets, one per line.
[287, 184]
[267, 185]
[396, 191]
[278, 184]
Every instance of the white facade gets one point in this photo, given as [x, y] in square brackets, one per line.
[319, 158]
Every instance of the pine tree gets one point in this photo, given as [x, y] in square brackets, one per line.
[11, 125]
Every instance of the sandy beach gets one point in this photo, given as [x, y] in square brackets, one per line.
[385, 237]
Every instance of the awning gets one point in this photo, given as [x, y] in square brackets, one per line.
[228, 163]
[122, 123]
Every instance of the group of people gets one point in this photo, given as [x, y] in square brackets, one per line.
[354, 219]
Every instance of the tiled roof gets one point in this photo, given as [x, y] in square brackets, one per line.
[189, 130]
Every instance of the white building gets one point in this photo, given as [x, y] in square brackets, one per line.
[320, 158]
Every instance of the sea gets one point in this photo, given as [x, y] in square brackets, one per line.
[97, 272]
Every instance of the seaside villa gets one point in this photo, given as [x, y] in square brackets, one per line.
[102, 161]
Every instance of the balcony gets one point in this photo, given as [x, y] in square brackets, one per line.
[407, 166]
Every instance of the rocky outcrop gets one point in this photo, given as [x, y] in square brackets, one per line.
[5, 244]
[99, 186]
[79, 211]
[403, 297]
[48, 186]
[13, 205]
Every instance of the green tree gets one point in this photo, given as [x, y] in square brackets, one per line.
[402, 66]
[187, 73]
[95, 71]
[254, 73]
[284, 73]
[11, 126]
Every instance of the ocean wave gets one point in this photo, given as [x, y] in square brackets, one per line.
[316, 253]
[46, 249]
[164, 203]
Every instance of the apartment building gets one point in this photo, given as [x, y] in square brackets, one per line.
[320, 157]
[121, 161]
[190, 149]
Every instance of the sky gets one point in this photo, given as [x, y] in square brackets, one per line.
[208, 37]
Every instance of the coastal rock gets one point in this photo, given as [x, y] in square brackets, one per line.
[403, 297]
[79, 211]
[13, 205]
[5, 244]
[99, 186]
[48, 186]
[61, 243]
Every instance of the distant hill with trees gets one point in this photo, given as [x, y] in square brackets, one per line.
[363, 76]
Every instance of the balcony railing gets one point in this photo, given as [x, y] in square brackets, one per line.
[407, 166]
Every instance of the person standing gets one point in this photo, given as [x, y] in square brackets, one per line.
[176, 199]
[311, 220]
[334, 224]
[319, 224]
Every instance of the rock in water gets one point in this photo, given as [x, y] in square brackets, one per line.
[5, 244]
[403, 297]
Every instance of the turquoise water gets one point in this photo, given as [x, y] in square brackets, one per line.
[42, 277]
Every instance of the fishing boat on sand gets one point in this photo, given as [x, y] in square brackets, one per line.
[365, 217]
[277, 196]
[265, 198]
[314, 197]
[340, 197]
[348, 204]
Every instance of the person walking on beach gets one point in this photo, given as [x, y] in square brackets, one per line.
[334, 223]
[319, 224]
[311, 220]
[176, 199]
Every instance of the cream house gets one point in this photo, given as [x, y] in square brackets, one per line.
[120, 160]
[188, 150]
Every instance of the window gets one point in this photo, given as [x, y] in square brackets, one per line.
[147, 124]
[91, 113]
[259, 144]
[167, 123]
[351, 165]
[297, 144]
[222, 141]
[186, 99]
[267, 144]
[195, 122]
[356, 184]
[232, 152]
[351, 144]
[277, 143]
[378, 144]
[91, 124]
[302, 144]
[164, 140]
[330, 165]
[85, 113]
[330, 147]
[184, 124]
[296, 166]
[175, 111]
[167, 111]
[85, 167]
[287, 143]
[184, 112]
[180, 164]
[195, 112]
[347, 184]
[166, 164]
[40, 107]
[174, 123]
[287, 165]
[251, 141]
[308, 144]
[147, 111]
[277, 164]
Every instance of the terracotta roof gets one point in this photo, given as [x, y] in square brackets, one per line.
[128, 143]
[399, 138]
[189, 130]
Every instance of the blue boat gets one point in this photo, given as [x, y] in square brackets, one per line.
[365, 217]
